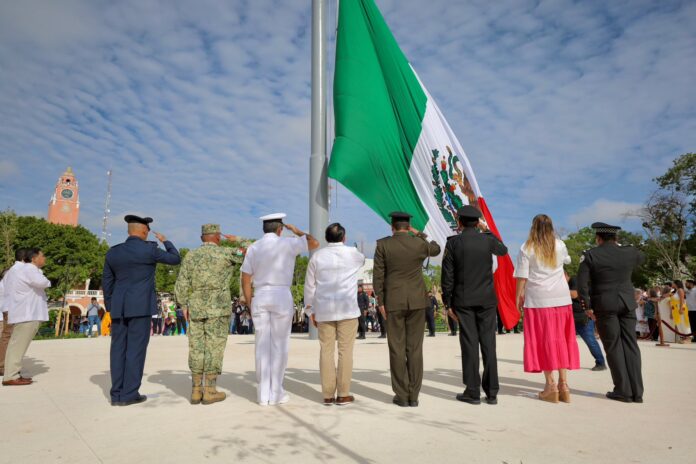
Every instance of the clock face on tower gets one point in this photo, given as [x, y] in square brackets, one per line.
[66, 193]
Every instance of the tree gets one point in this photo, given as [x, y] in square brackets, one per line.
[666, 223]
[165, 274]
[298, 279]
[8, 231]
[681, 177]
[432, 277]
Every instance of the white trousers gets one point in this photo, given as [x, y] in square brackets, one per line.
[272, 312]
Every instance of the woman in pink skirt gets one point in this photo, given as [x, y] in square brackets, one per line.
[549, 327]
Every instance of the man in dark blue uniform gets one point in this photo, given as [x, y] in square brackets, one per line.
[468, 291]
[606, 292]
[129, 296]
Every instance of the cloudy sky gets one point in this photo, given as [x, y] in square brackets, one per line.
[202, 108]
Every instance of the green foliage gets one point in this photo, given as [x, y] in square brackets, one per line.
[8, 232]
[165, 275]
[681, 177]
[432, 277]
[73, 254]
[298, 279]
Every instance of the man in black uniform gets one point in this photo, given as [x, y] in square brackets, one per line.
[606, 292]
[467, 288]
[430, 314]
[363, 304]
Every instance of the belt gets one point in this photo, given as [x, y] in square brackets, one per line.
[272, 287]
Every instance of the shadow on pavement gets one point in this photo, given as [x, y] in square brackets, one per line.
[103, 381]
[178, 382]
[33, 367]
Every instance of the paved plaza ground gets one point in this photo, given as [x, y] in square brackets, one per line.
[66, 417]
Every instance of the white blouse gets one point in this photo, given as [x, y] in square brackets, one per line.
[546, 287]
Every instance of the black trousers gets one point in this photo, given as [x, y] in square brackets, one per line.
[692, 320]
[406, 352]
[501, 329]
[477, 326]
[617, 330]
[181, 324]
[382, 322]
[157, 326]
[361, 324]
[430, 320]
[129, 339]
[452, 325]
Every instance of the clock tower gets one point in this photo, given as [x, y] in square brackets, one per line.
[64, 207]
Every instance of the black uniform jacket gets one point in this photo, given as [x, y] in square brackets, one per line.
[467, 269]
[129, 276]
[604, 277]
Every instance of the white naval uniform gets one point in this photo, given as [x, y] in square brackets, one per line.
[271, 263]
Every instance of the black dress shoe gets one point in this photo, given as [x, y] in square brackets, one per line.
[138, 400]
[399, 402]
[431, 335]
[361, 337]
[492, 399]
[599, 367]
[452, 335]
[382, 336]
[466, 398]
[637, 399]
[617, 397]
[413, 404]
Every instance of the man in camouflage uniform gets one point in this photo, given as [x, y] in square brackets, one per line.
[203, 290]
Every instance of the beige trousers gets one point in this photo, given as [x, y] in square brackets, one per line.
[4, 339]
[342, 333]
[22, 335]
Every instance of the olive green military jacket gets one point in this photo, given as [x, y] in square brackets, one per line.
[397, 276]
[203, 284]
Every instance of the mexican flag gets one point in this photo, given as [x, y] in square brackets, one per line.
[393, 148]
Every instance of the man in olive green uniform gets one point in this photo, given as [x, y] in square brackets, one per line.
[203, 289]
[400, 290]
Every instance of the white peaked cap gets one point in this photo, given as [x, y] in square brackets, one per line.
[273, 217]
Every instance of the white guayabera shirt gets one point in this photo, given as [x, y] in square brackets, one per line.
[28, 302]
[331, 283]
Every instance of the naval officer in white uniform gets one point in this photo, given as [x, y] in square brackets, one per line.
[270, 263]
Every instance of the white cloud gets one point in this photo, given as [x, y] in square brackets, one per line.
[612, 212]
[203, 111]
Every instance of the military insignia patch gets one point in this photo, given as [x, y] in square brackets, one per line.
[582, 258]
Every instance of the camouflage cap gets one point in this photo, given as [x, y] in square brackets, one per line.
[207, 229]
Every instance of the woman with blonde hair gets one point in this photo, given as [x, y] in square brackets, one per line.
[544, 298]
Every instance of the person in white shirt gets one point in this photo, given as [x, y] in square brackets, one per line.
[8, 279]
[543, 292]
[329, 296]
[691, 306]
[28, 308]
[270, 263]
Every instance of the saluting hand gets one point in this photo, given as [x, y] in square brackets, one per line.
[293, 229]
[231, 238]
[160, 237]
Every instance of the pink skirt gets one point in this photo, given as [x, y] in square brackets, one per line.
[549, 339]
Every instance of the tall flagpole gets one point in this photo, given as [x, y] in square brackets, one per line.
[318, 182]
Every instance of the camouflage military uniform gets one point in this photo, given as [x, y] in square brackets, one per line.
[203, 286]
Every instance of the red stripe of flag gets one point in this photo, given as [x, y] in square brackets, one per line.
[504, 281]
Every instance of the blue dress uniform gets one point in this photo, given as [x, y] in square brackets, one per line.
[129, 295]
[605, 287]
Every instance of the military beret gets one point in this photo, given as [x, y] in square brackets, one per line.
[603, 228]
[469, 212]
[400, 216]
[208, 229]
[133, 219]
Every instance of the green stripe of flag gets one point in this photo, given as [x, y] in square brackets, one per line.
[379, 106]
